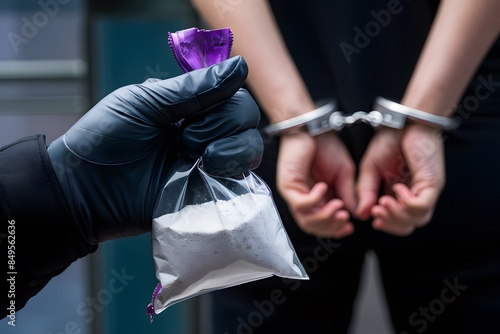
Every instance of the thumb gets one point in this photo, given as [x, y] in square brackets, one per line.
[367, 189]
[131, 115]
[190, 94]
[419, 205]
[345, 189]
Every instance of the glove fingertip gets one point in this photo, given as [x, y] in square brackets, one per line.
[234, 155]
[236, 66]
[231, 75]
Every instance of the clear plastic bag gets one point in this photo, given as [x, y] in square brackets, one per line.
[213, 232]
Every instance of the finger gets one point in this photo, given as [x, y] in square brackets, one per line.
[424, 153]
[379, 212]
[367, 188]
[392, 205]
[385, 221]
[306, 201]
[234, 116]
[419, 206]
[394, 217]
[326, 212]
[187, 95]
[341, 215]
[345, 230]
[329, 220]
[396, 213]
[234, 155]
[341, 226]
[131, 115]
[345, 188]
[317, 216]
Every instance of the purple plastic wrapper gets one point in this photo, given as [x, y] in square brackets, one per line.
[195, 48]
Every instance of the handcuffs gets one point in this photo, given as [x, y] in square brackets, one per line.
[385, 113]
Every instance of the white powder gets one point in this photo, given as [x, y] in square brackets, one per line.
[220, 244]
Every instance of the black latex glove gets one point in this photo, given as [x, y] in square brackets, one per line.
[112, 164]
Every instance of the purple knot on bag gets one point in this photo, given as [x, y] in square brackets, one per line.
[195, 48]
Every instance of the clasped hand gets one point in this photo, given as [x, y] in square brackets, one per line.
[400, 178]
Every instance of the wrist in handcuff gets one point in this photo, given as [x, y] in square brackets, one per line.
[326, 117]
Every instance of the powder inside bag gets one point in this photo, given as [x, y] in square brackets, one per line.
[220, 244]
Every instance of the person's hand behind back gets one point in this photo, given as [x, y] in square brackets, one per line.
[316, 178]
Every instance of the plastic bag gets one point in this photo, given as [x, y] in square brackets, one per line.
[215, 232]
[211, 232]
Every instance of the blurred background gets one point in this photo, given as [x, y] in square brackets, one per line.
[57, 59]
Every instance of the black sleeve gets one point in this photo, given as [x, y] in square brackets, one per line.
[38, 236]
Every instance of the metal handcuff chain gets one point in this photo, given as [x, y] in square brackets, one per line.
[386, 113]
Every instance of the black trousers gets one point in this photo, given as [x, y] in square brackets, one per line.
[444, 278]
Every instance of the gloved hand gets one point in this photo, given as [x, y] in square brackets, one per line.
[113, 163]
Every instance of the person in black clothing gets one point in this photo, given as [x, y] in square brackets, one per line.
[426, 201]
[101, 179]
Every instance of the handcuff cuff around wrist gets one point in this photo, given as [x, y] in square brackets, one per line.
[385, 113]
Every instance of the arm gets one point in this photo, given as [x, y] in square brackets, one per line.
[461, 35]
[102, 178]
[315, 195]
[273, 77]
